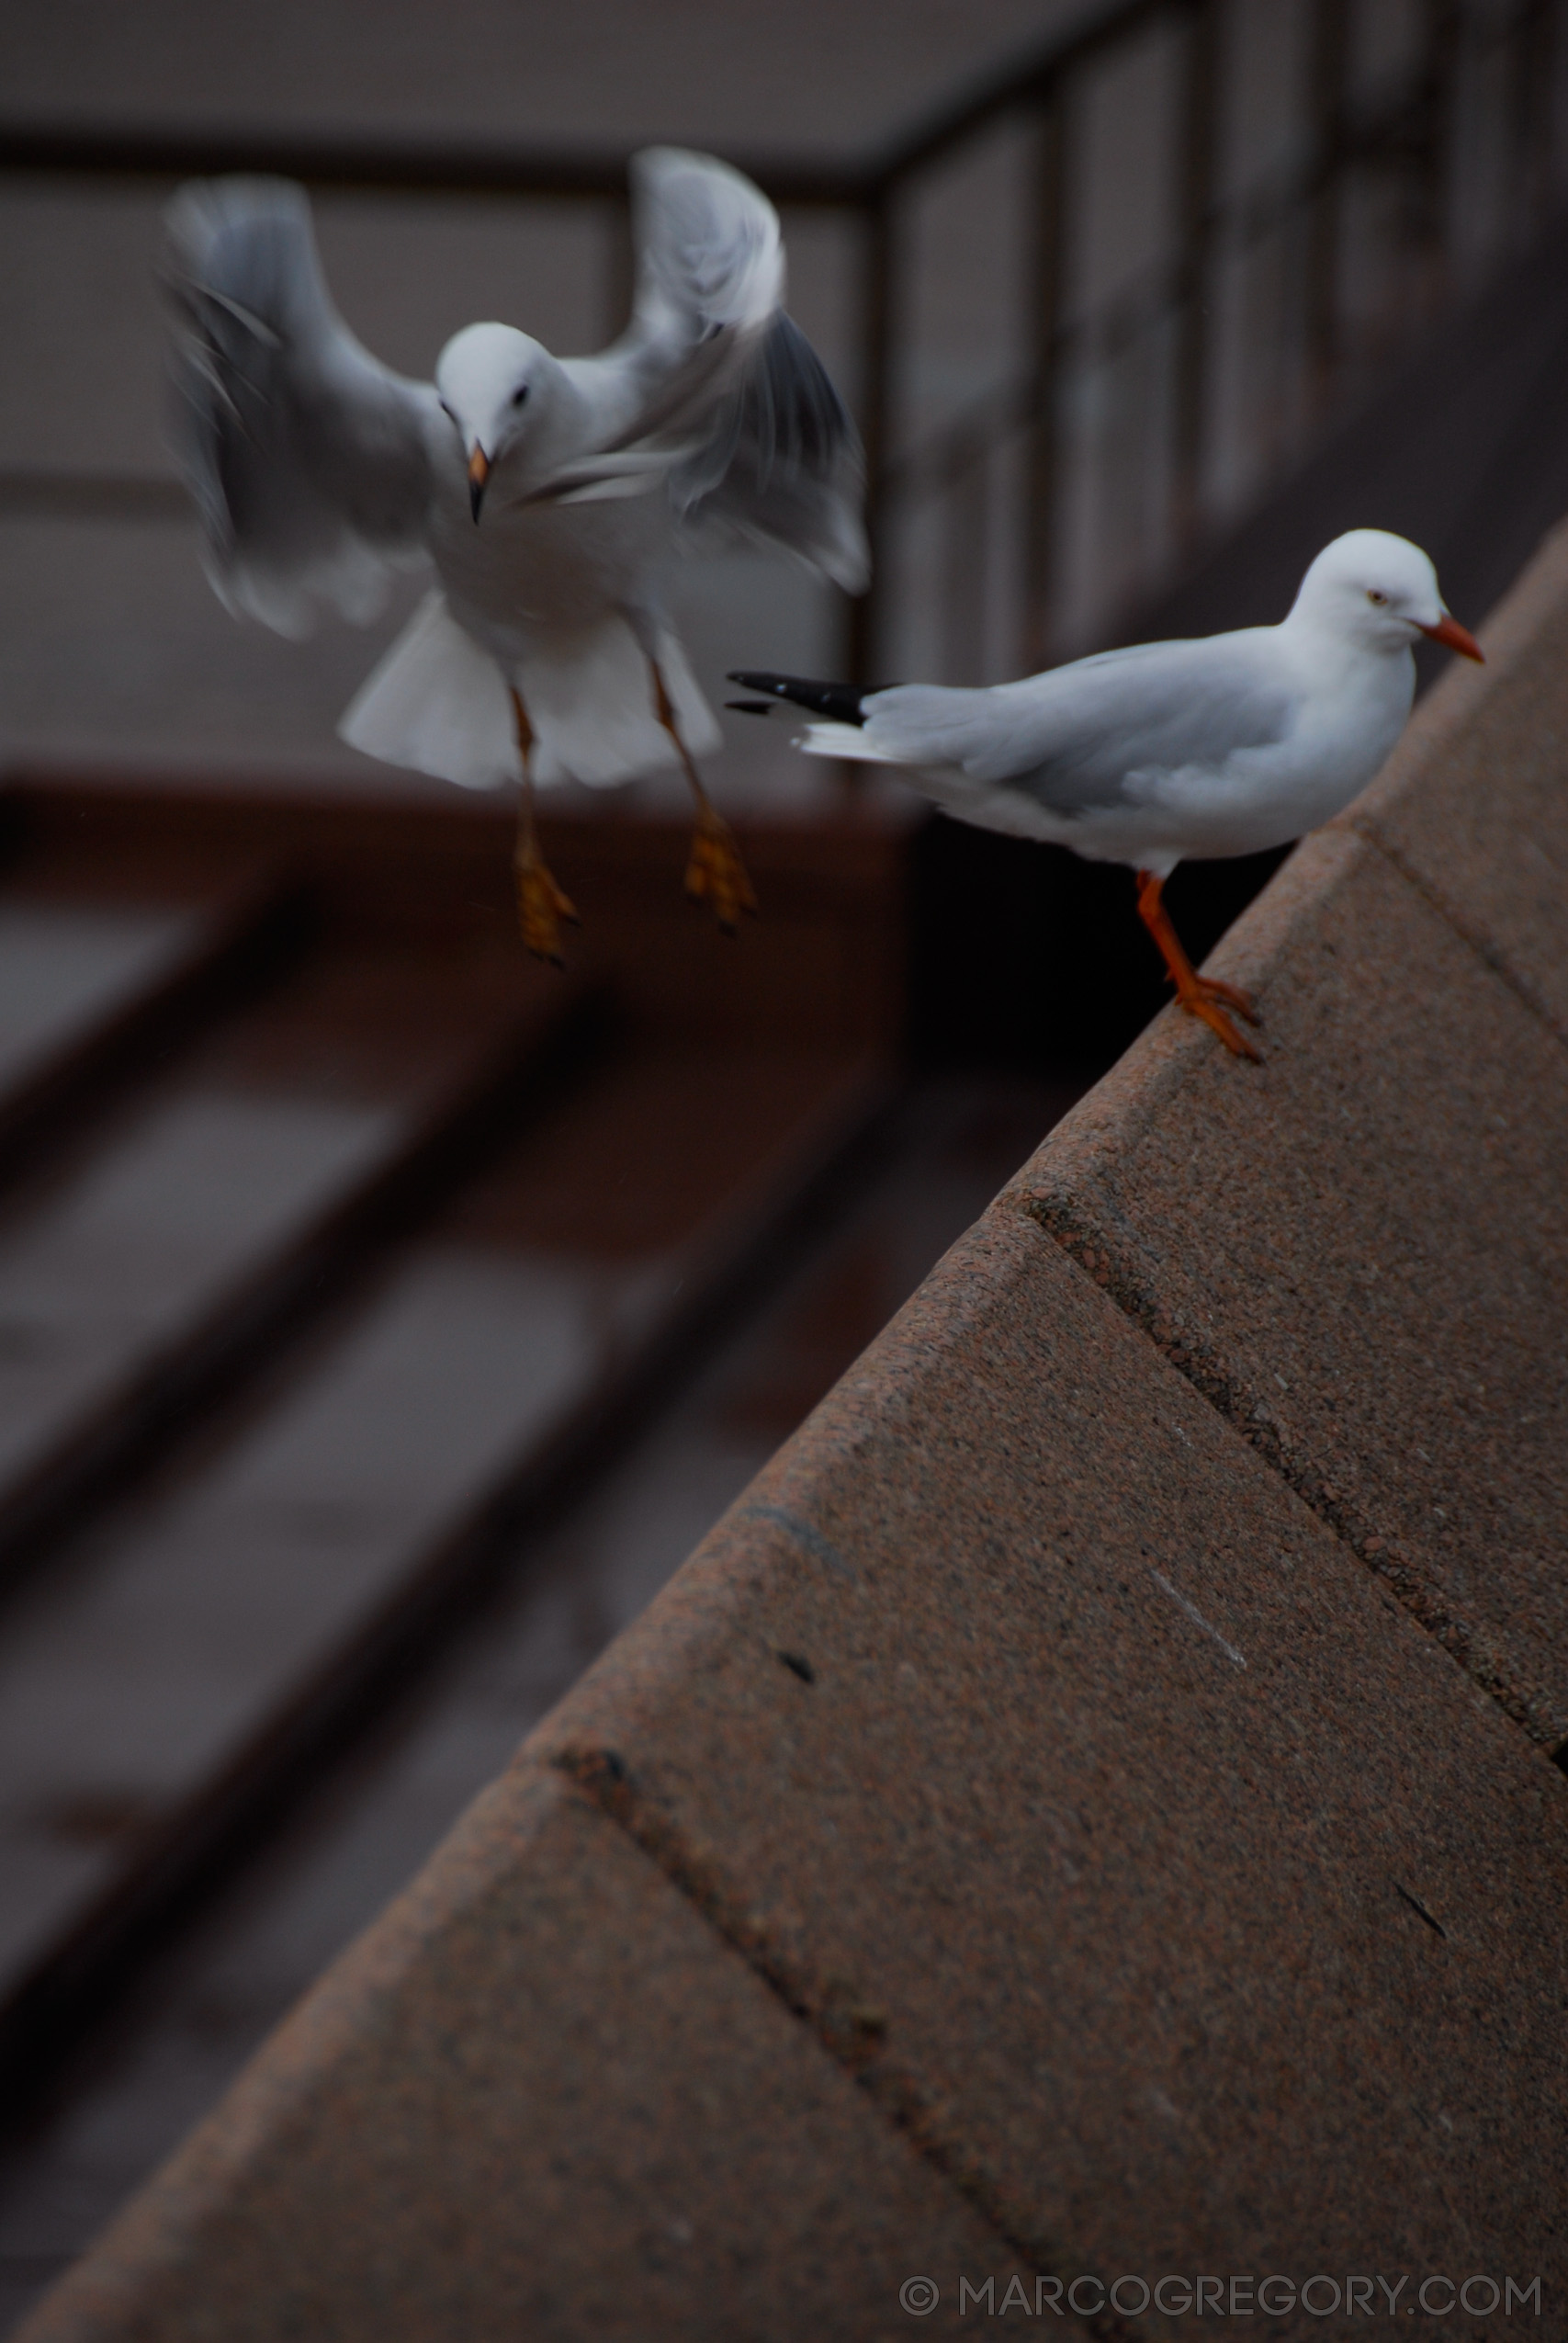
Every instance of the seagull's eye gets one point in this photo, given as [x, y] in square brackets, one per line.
[1374, 595]
[519, 397]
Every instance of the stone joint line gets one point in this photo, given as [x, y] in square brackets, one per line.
[853, 2032]
[1477, 1650]
[1496, 962]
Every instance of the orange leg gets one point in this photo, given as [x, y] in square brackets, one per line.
[1203, 997]
[714, 873]
[540, 902]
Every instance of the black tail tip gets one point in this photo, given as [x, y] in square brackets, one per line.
[841, 702]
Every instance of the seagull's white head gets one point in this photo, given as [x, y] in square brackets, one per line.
[1377, 591]
[491, 381]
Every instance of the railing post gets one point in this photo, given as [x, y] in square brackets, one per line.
[1554, 46]
[1439, 84]
[620, 267]
[1048, 293]
[966, 565]
[1535, 72]
[1331, 46]
[1199, 174]
[878, 260]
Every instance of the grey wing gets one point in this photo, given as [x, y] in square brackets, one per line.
[710, 277]
[782, 463]
[307, 458]
[1098, 733]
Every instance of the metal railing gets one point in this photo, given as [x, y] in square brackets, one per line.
[1273, 293]
[1414, 145]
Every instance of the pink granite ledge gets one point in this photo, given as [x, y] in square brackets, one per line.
[540, 2098]
[1100, 1811]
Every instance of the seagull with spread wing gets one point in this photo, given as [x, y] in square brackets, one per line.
[552, 495]
[1169, 750]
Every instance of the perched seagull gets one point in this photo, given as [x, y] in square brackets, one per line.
[552, 495]
[1170, 750]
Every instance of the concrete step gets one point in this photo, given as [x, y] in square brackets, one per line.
[181, 1667]
[93, 989]
[360, 1831]
[302, 1320]
[163, 1247]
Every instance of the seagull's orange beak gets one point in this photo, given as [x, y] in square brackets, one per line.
[1449, 632]
[479, 472]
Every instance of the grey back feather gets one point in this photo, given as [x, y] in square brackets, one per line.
[1079, 738]
[307, 458]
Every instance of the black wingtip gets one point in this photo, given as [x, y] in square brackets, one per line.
[841, 702]
[750, 706]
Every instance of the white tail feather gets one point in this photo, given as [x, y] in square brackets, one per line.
[436, 704]
[440, 705]
[844, 740]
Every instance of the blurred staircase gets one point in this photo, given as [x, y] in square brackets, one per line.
[335, 1238]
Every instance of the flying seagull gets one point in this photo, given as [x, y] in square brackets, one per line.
[1171, 750]
[551, 494]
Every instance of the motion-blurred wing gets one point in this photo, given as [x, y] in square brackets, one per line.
[782, 463]
[710, 277]
[307, 458]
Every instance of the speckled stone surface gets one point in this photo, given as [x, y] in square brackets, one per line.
[1153, 1867]
[1360, 1251]
[1474, 803]
[541, 2099]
